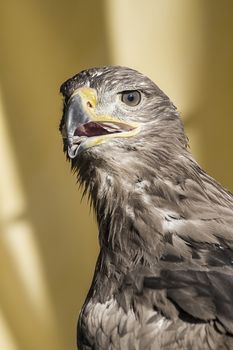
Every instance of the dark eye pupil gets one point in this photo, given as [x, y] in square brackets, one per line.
[130, 97]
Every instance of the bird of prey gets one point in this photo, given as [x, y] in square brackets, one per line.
[164, 275]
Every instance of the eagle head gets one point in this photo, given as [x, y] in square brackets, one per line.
[111, 112]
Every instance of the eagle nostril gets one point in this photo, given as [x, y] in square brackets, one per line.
[89, 105]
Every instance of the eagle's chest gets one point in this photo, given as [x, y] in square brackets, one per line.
[109, 326]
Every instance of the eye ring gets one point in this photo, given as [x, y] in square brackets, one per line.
[131, 97]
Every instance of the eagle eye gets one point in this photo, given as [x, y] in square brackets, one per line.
[131, 98]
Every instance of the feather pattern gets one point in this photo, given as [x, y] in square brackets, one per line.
[164, 276]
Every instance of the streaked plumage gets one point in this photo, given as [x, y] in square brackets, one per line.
[164, 276]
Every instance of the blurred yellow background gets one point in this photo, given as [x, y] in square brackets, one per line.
[48, 241]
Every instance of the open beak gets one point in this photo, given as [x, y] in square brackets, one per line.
[84, 129]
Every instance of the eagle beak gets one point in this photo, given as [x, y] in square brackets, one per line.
[75, 115]
[83, 128]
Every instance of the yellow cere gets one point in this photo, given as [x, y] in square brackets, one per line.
[88, 95]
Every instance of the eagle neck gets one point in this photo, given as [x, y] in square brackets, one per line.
[128, 201]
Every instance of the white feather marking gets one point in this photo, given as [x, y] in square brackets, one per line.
[160, 324]
[142, 185]
[97, 73]
[171, 221]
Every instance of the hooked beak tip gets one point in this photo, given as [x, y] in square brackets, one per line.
[72, 151]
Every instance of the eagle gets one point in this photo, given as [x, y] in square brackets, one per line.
[164, 275]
